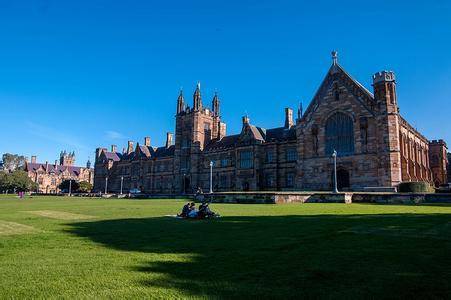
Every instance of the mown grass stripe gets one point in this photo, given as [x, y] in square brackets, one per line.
[12, 228]
[60, 215]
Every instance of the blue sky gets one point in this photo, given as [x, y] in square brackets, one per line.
[77, 75]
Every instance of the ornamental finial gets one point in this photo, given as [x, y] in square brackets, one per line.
[335, 57]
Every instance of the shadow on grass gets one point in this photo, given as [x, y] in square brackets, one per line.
[326, 256]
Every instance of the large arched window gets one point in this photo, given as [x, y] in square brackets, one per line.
[340, 134]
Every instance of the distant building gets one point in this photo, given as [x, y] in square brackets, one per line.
[376, 146]
[49, 176]
[449, 167]
[438, 161]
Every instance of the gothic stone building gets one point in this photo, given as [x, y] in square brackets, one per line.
[49, 176]
[376, 146]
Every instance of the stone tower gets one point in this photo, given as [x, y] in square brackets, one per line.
[194, 128]
[389, 168]
[438, 161]
[67, 158]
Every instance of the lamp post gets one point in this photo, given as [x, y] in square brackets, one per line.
[122, 183]
[70, 186]
[106, 185]
[211, 177]
[184, 180]
[334, 156]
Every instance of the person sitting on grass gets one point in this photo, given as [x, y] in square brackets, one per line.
[185, 210]
[205, 211]
[193, 213]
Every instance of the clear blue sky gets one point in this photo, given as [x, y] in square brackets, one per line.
[77, 75]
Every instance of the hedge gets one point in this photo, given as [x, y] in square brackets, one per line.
[415, 187]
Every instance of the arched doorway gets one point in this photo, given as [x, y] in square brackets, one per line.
[343, 179]
[245, 186]
[186, 185]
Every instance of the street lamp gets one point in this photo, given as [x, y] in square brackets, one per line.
[122, 183]
[70, 186]
[106, 185]
[334, 156]
[211, 177]
[184, 180]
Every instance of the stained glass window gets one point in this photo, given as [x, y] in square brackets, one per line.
[340, 134]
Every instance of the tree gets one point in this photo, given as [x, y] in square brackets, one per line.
[85, 187]
[12, 162]
[17, 181]
[65, 184]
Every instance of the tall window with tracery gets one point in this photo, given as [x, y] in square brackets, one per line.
[340, 134]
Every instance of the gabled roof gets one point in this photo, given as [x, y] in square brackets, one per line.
[161, 152]
[280, 134]
[258, 133]
[114, 156]
[51, 168]
[364, 95]
[264, 135]
[226, 142]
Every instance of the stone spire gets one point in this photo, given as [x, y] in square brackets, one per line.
[300, 110]
[180, 103]
[215, 104]
[197, 99]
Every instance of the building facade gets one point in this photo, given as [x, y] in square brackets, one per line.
[49, 176]
[439, 161]
[449, 167]
[376, 146]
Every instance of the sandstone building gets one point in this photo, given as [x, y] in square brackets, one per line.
[49, 176]
[376, 146]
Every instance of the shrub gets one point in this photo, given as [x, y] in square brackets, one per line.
[85, 187]
[415, 187]
[17, 181]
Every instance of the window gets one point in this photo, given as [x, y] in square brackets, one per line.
[184, 163]
[225, 162]
[53, 181]
[269, 156]
[336, 92]
[185, 143]
[291, 154]
[269, 180]
[290, 180]
[223, 181]
[246, 160]
[339, 134]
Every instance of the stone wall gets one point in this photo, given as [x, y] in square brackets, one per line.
[318, 197]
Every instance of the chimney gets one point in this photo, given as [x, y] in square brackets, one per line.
[147, 141]
[288, 117]
[46, 166]
[33, 159]
[56, 163]
[113, 148]
[130, 147]
[168, 139]
[221, 130]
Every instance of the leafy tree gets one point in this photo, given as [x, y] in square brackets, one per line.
[16, 181]
[85, 187]
[65, 184]
[12, 162]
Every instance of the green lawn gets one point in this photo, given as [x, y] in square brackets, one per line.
[96, 248]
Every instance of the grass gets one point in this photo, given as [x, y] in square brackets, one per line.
[128, 249]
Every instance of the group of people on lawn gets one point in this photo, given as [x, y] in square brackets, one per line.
[189, 211]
